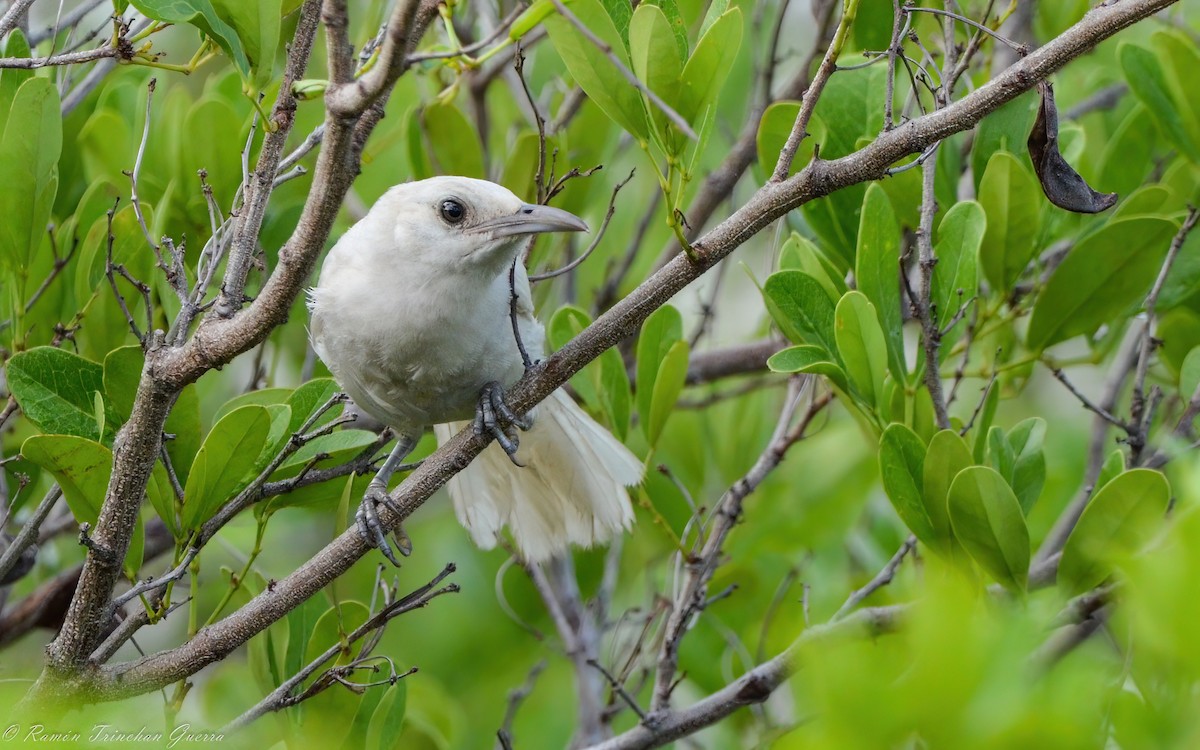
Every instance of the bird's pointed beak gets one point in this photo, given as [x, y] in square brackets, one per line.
[531, 219]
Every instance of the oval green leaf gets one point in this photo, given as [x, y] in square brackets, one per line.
[987, 521]
[1118, 522]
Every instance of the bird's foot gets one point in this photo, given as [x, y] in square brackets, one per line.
[371, 529]
[493, 417]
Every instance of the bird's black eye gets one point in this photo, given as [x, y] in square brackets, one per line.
[452, 211]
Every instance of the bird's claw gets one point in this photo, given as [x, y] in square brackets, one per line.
[371, 529]
[489, 415]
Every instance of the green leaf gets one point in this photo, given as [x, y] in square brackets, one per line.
[98, 411]
[594, 72]
[773, 131]
[667, 387]
[861, 344]
[388, 718]
[528, 21]
[211, 114]
[801, 308]
[1149, 82]
[604, 384]
[122, 372]
[55, 390]
[1025, 441]
[849, 110]
[902, 469]
[12, 78]
[418, 154]
[338, 448]
[82, 468]
[959, 238]
[1189, 374]
[520, 166]
[1180, 57]
[987, 520]
[1120, 519]
[161, 494]
[1101, 280]
[184, 425]
[877, 270]
[29, 149]
[809, 359]
[1183, 280]
[325, 713]
[307, 398]
[261, 397]
[1112, 467]
[675, 22]
[91, 287]
[277, 435]
[1012, 199]
[658, 64]
[983, 424]
[706, 71]
[1000, 453]
[226, 460]
[621, 13]
[716, 9]
[1147, 199]
[948, 454]
[202, 15]
[1007, 129]
[453, 141]
[332, 627]
[659, 333]
[800, 254]
[1129, 154]
[301, 622]
[257, 26]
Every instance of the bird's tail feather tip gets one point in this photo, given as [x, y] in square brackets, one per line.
[572, 490]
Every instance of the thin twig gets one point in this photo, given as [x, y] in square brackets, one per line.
[1139, 415]
[282, 696]
[29, 532]
[110, 272]
[699, 570]
[516, 697]
[619, 689]
[127, 629]
[12, 16]
[1088, 404]
[1020, 49]
[931, 334]
[66, 58]
[612, 209]
[899, 23]
[808, 104]
[881, 579]
[150, 584]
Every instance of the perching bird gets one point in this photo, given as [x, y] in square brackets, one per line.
[412, 316]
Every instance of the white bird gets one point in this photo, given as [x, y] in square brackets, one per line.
[412, 316]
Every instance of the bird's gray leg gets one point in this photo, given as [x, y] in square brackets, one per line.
[368, 517]
[488, 415]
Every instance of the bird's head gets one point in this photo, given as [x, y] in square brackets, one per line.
[463, 222]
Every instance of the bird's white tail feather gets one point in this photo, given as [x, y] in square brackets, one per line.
[570, 491]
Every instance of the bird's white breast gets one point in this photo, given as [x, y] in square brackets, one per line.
[412, 344]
